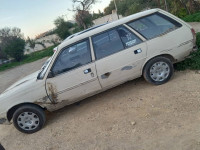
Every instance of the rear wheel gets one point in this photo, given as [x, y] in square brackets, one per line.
[158, 70]
[29, 118]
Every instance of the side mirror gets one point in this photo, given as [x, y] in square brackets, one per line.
[50, 74]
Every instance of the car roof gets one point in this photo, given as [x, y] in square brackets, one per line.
[106, 27]
[81, 32]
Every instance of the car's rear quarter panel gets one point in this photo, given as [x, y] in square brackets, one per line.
[177, 43]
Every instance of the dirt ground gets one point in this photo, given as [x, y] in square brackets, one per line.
[132, 116]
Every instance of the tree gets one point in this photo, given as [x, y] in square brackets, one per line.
[62, 27]
[12, 43]
[15, 48]
[97, 15]
[31, 42]
[83, 19]
[81, 8]
[181, 8]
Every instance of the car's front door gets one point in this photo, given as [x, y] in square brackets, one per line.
[74, 74]
[120, 55]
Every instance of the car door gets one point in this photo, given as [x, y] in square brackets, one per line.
[74, 74]
[119, 54]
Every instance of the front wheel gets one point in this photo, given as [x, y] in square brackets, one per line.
[158, 70]
[29, 118]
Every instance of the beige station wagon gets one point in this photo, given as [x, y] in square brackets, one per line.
[147, 43]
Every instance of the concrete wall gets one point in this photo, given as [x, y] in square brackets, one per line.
[47, 41]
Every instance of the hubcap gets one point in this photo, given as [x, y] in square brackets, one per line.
[159, 71]
[28, 121]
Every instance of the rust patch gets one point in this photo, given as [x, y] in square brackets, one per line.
[52, 93]
[44, 99]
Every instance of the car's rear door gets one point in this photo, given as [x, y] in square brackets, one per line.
[119, 54]
[74, 74]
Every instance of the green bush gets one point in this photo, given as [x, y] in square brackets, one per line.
[15, 48]
[193, 62]
[198, 40]
[192, 18]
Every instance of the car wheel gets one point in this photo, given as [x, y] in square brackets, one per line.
[29, 118]
[1, 147]
[158, 70]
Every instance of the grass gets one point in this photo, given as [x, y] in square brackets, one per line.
[29, 58]
[192, 18]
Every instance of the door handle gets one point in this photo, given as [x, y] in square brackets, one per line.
[106, 75]
[138, 51]
[87, 71]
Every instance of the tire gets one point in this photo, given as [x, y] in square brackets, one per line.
[29, 118]
[158, 70]
[1, 147]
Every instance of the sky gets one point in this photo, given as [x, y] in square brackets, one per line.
[37, 16]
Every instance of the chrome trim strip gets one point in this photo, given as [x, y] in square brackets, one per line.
[92, 80]
[184, 43]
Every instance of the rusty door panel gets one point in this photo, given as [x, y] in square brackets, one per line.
[73, 85]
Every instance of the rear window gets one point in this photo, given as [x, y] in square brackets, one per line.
[154, 25]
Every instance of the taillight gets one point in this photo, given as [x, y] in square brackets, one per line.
[194, 36]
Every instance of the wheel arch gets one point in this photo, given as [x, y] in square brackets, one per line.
[12, 110]
[170, 57]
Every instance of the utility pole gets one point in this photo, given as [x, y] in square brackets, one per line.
[116, 9]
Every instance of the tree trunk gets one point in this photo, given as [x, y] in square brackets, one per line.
[185, 7]
[166, 7]
[191, 6]
[158, 1]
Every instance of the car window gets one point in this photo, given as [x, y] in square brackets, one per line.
[128, 38]
[72, 57]
[107, 43]
[154, 25]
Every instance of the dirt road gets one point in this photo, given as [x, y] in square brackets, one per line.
[132, 116]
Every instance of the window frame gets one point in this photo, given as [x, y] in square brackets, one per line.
[115, 28]
[64, 48]
[171, 20]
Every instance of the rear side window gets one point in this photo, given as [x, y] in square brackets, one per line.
[128, 38]
[107, 43]
[73, 57]
[154, 25]
[113, 41]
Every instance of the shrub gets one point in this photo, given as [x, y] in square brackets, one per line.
[193, 62]
[192, 18]
[15, 48]
[198, 39]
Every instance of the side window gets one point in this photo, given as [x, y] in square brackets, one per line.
[72, 57]
[154, 25]
[107, 43]
[128, 38]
